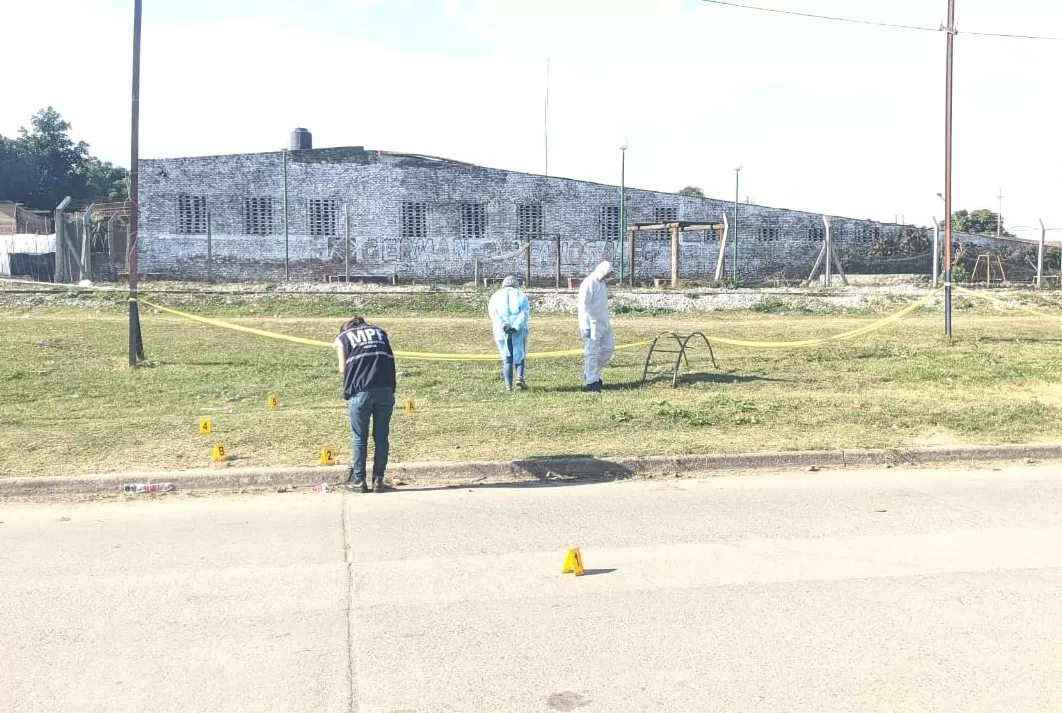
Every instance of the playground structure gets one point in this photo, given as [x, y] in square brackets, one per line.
[680, 352]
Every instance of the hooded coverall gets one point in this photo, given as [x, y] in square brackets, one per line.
[598, 343]
[509, 307]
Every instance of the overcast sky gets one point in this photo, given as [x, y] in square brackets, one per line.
[824, 116]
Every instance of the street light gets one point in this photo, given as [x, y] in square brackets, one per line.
[737, 193]
[621, 238]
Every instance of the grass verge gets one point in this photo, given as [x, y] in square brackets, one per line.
[69, 404]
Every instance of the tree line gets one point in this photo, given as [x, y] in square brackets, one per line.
[43, 165]
[975, 222]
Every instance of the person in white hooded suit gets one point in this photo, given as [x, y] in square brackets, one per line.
[594, 325]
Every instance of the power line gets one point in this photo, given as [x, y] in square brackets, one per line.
[1013, 37]
[873, 23]
[824, 17]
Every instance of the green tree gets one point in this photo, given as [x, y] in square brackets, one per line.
[43, 165]
[105, 182]
[16, 176]
[979, 222]
[692, 192]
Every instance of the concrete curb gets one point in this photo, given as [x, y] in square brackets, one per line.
[452, 474]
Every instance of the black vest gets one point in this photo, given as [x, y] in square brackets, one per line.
[370, 361]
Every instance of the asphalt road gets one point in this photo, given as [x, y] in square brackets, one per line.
[864, 591]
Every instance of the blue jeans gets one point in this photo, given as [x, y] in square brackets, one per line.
[377, 404]
[514, 357]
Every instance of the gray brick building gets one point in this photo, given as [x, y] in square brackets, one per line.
[425, 218]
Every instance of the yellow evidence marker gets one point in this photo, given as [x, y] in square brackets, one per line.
[327, 457]
[410, 406]
[220, 453]
[573, 562]
[272, 401]
[206, 426]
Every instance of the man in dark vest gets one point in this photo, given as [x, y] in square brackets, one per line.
[368, 368]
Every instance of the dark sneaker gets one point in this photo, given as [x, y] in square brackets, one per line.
[378, 485]
[521, 384]
[594, 387]
[355, 486]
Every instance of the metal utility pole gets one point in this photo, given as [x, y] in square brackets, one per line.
[947, 166]
[737, 202]
[136, 341]
[623, 209]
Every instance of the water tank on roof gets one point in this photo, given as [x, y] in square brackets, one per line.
[301, 139]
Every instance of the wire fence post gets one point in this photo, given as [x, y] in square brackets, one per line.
[60, 242]
[346, 242]
[631, 232]
[210, 249]
[527, 261]
[86, 245]
[936, 252]
[1040, 257]
[287, 271]
[112, 273]
[674, 230]
[829, 251]
[720, 263]
[557, 246]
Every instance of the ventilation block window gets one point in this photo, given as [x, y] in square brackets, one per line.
[663, 214]
[529, 221]
[770, 233]
[473, 220]
[258, 217]
[868, 233]
[816, 235]
[610, 222]
[324, 215]
[414, 220]
[191, 215]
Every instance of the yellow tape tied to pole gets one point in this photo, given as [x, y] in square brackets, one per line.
[425, 356]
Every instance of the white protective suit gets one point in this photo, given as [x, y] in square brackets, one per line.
[509, 307]
[594, 325]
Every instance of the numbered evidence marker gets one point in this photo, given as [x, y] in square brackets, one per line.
[272, 401]
[410, 406]
[328, 457]
[206, 426]
[220, 453]
[573, 562]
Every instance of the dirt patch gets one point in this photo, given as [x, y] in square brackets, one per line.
[941, 438]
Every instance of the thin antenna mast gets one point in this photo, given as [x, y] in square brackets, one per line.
[545, 121]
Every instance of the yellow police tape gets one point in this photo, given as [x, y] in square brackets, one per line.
[818, 341]
[422, 356]
[434, 356]
[1001, 303]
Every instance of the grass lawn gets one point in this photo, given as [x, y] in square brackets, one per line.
[69, 404]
